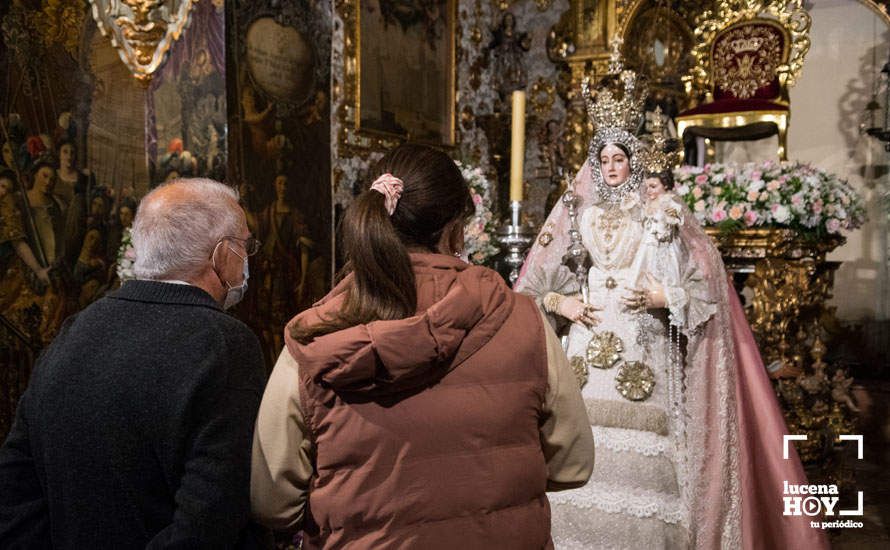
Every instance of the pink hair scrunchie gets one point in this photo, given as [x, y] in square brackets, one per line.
[391, 189]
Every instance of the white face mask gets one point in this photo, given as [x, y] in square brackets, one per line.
[236, 293]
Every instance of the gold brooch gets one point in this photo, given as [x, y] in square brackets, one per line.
[635, 381]
[611, 283]
[579, 367]
[545, 238]
[604, 350]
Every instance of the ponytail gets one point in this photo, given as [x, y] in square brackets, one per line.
[376, 240]
[383, 281]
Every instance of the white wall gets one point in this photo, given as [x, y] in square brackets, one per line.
[826, 106]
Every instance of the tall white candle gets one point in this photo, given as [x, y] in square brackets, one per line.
[517, 146]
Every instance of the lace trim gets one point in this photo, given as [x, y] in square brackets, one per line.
[676, 302]
[700, 302]
[618, 500]
[624, 440]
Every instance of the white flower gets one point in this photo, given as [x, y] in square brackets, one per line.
[781, 213]
[479, 231]
[756, 186]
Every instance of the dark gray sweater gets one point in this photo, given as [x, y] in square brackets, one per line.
[136, 428]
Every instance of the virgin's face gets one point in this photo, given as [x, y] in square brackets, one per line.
[66, 155]
[5, 187]
[654, 188]
[44, 180]
[614, 165]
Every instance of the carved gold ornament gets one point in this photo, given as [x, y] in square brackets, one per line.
[604, 350]
[542, 96]
[790, 15]
[635, 381]
[791, 285]
[747, 58]
[579, 367]
[545, 238]
[142, 31]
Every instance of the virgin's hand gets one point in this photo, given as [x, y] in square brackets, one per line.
[578, 312]
[650, 297]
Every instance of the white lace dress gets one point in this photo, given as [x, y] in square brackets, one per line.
[633, 499]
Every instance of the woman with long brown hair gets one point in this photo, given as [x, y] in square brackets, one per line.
[421, 403]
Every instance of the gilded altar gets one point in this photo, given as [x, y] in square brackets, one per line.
[788, 282]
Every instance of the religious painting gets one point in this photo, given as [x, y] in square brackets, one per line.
[406, 69]
[59, 219]
[78, 154]
[279, 147]
[185, 133]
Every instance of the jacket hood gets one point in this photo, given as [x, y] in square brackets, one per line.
[460, 307]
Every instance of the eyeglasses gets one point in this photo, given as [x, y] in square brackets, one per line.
[251, 244]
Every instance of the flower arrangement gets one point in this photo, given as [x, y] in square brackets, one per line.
[126, 257]
[792, 195]
[479, 242]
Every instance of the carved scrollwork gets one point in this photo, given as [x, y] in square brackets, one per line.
[791, 284]
[790, 14]
[142, 31]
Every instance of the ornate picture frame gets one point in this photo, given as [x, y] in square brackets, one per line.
[404, 57]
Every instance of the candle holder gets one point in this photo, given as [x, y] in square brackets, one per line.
[515, 240]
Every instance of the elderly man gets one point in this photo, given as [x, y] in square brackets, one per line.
[135, 430]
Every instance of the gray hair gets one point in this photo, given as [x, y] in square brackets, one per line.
[179, 223]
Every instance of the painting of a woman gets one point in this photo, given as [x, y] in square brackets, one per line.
[283, 263]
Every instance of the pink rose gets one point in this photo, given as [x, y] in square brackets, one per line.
[477, 199]
[701, 179]
[817, 207]
[697, 192]
[833, 225]
[752, 196]
[718, 216]
[773, 185]
[735, 212]
[750, 218]
[764, 196]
